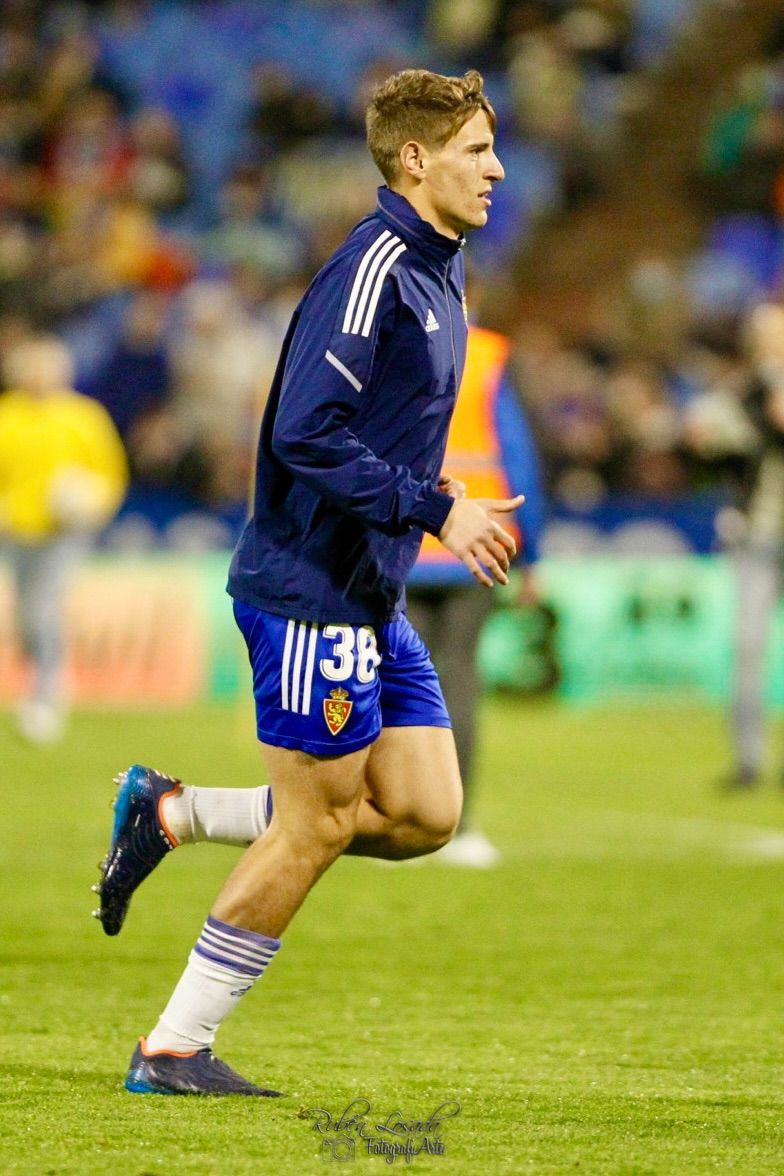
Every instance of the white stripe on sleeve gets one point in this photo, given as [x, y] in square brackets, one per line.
[370, 278]
[355, 289]
[341, 367]
[371, 310]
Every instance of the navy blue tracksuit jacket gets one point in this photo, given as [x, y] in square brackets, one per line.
[355, 428]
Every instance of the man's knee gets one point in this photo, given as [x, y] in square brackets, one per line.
[316, 800]
[443, 831]
[436, 825]
[317, 837]
[334, 828]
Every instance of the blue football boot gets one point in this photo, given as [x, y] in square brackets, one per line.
[199, 1072]
[140, 839]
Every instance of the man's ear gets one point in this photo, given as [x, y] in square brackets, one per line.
[413, 159]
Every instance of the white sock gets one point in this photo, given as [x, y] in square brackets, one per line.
[231, 816]
[225, 963]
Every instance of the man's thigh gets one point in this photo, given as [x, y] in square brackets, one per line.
[412, 771]
[308, 789]
[412, 775]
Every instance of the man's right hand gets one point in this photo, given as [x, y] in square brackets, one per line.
[472, 534]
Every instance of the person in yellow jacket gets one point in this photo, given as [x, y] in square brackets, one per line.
[63, 475]
[490, 449]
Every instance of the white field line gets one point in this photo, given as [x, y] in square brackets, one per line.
[611, 833]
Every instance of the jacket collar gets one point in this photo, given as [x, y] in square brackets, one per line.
[409, 225]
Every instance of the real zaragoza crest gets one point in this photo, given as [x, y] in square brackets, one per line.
[337, 708]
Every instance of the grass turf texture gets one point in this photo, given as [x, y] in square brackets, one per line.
[607, 1001]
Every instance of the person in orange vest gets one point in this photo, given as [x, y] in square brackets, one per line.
[490, 450]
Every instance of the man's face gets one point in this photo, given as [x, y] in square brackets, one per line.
[458, 178]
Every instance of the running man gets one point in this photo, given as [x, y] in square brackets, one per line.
[355, 735]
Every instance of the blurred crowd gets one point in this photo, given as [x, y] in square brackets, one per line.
[171, 175]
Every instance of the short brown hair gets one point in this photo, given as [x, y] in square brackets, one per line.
[417, 104]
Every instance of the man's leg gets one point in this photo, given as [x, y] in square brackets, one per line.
[315, 819]
[225, 816]
[399, 797]
[154, 813]
[758, 582]
[455, 632]
[42, 573]
[316, 802]
[413, 794]
[407, 786]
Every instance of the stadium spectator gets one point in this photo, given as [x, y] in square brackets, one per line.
[249, 231]
[738, 426]
[86, 155]
[223, 361]
[491, 451]
[646, 425]
[549, 77]
[742, 158]
[136, 376]
[285, 114]
[563, 390]
[164, 461]
[159, 175]
[62, 477]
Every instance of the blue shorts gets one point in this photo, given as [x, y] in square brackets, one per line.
[329, 689]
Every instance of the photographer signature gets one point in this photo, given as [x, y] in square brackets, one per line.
[354, 1121]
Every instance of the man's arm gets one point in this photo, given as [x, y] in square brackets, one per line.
[332, 460]
[327, 371]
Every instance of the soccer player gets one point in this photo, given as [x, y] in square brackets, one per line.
[354, 731]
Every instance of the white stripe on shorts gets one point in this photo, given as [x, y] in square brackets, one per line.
[284, 670]
[295, 675]
[296, 685]
[310, 661]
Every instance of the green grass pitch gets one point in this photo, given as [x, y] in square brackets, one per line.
[609, 1000]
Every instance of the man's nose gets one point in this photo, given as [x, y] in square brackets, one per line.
[496, 170]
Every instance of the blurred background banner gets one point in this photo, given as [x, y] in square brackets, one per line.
[159, 630]
[139, 632]
[618, 627]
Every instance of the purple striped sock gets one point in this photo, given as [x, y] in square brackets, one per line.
[243, 952]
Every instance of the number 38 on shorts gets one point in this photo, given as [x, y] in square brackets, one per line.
[327, 689]
[354, 651]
